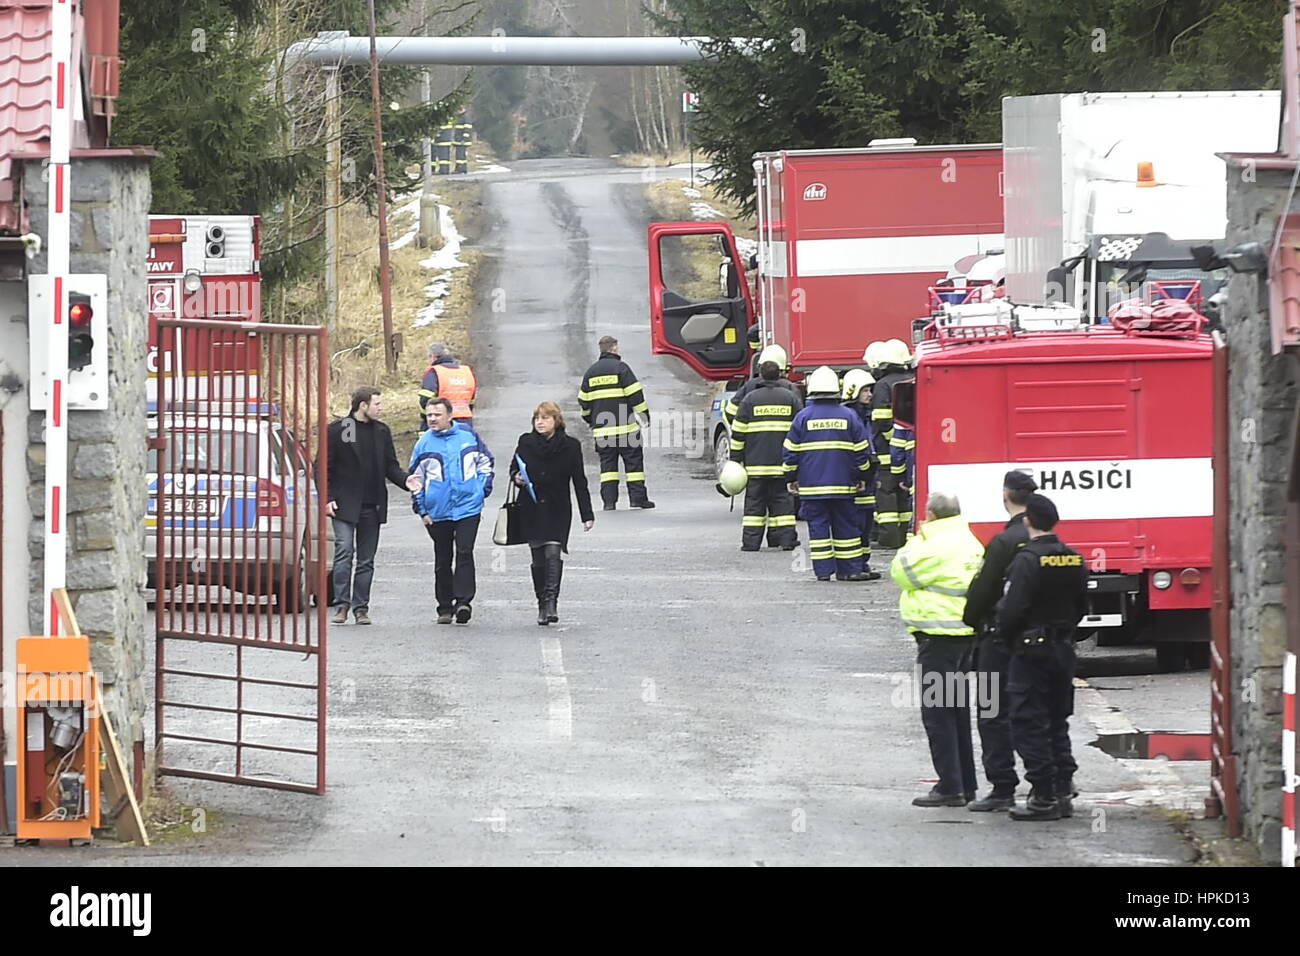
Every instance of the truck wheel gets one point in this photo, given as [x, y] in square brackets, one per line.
[721, 451]
[1198, 654]
[1171, 656]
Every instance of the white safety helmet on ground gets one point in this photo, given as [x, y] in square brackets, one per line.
[774, 353]
[733, 478]
[855, 380]
[895, 352]
[823, 382]
[872, 354]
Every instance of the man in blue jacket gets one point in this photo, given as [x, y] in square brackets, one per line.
[454, 468]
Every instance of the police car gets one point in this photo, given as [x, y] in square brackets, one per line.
[236, 496]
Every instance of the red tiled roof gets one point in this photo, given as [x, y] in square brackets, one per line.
[25, 28]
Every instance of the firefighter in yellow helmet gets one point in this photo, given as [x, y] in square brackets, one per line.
[856, 392]
[827, 456]
[758, 434]
[770, 353]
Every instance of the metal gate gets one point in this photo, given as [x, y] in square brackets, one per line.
[1223, 799]
[238, 550]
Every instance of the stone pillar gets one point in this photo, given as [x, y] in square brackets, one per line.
[106, 449]
[1262, 403]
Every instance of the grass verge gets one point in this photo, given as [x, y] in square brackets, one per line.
[357, 343]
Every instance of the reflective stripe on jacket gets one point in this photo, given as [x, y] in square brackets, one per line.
[609, 397]
[935, 569]
[758, 431]
[827, 451]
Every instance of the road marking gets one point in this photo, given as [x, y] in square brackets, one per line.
[559, 706]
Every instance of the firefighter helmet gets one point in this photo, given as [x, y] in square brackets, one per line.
[733, 478]
[823, 381]
[774, 353]
[895, 352]
[872, 355]
[855, 380]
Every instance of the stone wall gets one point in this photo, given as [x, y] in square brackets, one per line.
[1262, 405]
[106, 449]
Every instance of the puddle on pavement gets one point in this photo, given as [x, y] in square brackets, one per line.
[1154, 746]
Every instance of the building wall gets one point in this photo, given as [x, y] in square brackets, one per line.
[107, 450]
[16, 515]
[1262, 404]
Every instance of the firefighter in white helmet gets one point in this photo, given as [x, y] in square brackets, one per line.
[757, 441]
[770, 353]
[827, 457]
[893, 504]
[856, 392]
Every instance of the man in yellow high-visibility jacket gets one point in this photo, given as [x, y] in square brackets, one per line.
[934, 569]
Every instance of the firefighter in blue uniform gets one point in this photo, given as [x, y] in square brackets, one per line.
[758, 434]
[856, 392]
[902, 467]
[827, 457]
[1046, 595]
[893, 504]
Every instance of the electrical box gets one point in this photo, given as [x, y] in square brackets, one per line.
[87, 324]
[58, 739]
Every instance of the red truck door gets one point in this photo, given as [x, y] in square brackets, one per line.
[700, 306]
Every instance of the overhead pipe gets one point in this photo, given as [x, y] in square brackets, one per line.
[338, 47]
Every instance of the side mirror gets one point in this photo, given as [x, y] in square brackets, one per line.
[1054, 291]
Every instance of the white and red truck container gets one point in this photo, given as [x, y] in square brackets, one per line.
[205, 267]
[848, 242]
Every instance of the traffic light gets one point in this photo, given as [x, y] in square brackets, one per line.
[81, 343]
[86, 386]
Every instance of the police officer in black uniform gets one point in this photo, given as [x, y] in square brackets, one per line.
[991, 654]
[1046, 594]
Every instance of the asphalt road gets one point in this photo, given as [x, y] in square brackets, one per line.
[695, 705]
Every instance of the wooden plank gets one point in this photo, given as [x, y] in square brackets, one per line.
[125, 811]
[67, 618]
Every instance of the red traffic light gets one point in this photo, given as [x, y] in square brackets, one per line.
[80, 314]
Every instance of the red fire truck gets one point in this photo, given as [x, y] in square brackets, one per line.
[1115, 428]
[205, 267]
[848, 242]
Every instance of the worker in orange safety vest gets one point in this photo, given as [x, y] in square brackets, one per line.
[449, 379]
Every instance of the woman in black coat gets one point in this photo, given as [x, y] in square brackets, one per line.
[552, 460]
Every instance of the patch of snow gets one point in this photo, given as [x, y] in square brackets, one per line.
[441, 262]
[691, 193]
[702, 210]
[411, 208]
[492, 168]
[747, 247]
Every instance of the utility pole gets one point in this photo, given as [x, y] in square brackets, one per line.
[333, 171]
[385, 289]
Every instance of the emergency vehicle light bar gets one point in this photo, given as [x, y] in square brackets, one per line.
[1189, 290]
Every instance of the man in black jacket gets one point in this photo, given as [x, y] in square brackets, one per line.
[1046, 594]
[991, 654]
[361, 456]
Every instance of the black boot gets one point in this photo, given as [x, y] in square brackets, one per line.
[1065, 794]
[555, 598]
[1041, 805]
[551, 588]
[539, 589]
